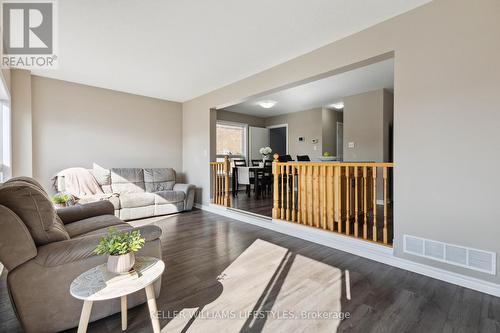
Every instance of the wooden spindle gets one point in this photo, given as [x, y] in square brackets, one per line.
[221, 184]
[374, 229]
[337, 195]
[347, 201]
[365, 203]
[276, 174]
[293, 194]
[316, 195]
[227, 167]
[216, 170]
[213, 182]
[287, 211]
[330, 197]
[299, 191]
[282, 206]
[309, 195]
[385, 235]
[323, 197]
[356, 203]
[303, 193]
[217, 186]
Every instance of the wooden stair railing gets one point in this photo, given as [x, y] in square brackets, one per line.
[220, 182]
[336, 196]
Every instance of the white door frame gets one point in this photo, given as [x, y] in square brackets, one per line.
[286, 135]
[337, 138]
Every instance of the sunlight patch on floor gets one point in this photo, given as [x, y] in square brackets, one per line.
[269, 289]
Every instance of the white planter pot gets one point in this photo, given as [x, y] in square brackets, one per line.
[121, 264]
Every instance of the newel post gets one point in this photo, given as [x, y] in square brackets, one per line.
[227, 167]
[276, 195]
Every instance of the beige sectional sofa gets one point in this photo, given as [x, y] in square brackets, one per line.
[43, 250]
[137, 193]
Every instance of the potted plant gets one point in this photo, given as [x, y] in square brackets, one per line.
[61, 200]
[265, 152]
[120, 247]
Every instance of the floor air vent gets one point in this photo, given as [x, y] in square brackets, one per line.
[478, 260]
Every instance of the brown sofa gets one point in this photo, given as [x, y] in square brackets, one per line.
[43, 250]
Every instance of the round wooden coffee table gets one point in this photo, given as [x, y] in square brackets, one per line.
[97, 284]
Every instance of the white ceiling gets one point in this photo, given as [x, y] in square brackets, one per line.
[324, 92]
[178, 50]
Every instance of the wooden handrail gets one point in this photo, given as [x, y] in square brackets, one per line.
[346, 164]
[220, 182]
[349, 198]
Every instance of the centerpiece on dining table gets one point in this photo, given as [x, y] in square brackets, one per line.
[266, 154]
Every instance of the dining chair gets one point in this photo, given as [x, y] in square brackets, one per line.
[238, 163]
[285, 158]
[256, 162]
[303, 158]
[246, 179]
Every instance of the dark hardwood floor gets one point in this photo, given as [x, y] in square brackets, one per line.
[215, 264]
[261, 206]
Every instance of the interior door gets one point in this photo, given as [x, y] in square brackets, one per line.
[258, 138]
[278, 138]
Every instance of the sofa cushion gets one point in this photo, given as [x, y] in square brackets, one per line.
[137, 212]
[131, 200]
[103, 178]
[103, 231]
[159, 179]
[149, 232]
[127, 180]
[166, 197]
[92, 223]
[35, 209]
[114, 199]
[80, 248]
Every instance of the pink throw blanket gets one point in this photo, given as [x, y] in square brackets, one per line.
[80, 183]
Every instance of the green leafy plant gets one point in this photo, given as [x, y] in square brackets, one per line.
[61, 198]
[116, 243]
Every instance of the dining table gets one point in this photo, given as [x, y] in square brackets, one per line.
[251, 169]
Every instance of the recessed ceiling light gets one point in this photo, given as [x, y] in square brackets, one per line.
[338, 106]
[267, 104]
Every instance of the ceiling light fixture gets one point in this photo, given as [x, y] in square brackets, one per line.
[267, 104]
[338, 106]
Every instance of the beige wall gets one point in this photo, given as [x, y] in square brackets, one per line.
[305, 124]
[21, 123]
[388, 124]
[78, 125]
[329, 132]
[446, 69]
[365, 120]
[240, 118]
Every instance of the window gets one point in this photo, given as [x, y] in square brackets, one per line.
[231, 139]
[5, 145]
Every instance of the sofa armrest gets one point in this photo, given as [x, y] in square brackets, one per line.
[16, 244]
[80, 248]
[80, 212]
[188, 189]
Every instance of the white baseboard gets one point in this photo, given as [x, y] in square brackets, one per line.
[368, 250]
